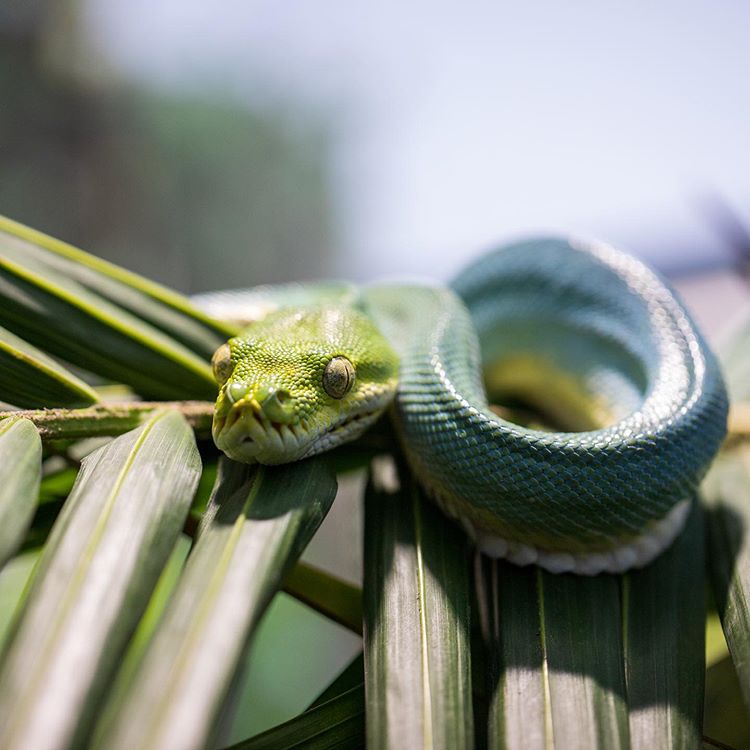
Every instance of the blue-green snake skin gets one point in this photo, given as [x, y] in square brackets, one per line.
[548, 322]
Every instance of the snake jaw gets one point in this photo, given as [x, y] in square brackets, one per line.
[246, 434]
[267, 425]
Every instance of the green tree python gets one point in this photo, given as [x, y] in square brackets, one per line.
[582, 332]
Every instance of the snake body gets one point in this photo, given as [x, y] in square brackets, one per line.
[586, 334]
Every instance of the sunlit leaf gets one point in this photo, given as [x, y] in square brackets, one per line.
[604, 662]
[160, 306]
[555, 658]
[61, 316]
[93, 581]
[20, 474]
[416, 626]
[664, 614]
[257, 524]
[29, 378]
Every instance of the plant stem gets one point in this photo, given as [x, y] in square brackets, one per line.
[110, 419]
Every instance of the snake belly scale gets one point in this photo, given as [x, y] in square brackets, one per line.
[548, 321]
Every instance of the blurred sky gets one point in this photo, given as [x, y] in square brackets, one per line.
[457, 125]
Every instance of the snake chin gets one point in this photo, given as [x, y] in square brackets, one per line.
[248, 439]
[634, 554]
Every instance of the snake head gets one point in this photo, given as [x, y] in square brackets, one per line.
[299, 382]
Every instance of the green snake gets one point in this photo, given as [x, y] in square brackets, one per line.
[635, 403]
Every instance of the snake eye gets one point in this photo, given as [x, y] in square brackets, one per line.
[222, 364]
[338, 377]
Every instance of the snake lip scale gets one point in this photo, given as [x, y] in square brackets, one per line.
[578, 331]
[255, 429]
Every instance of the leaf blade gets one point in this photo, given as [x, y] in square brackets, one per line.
[664, 617]
[416, 623]
[257, 524]
[67, 320]
[337, 724]
[726, 493]
[554, 642]
[166, 309]
[93, 580]
[29, 378]
[20, 477]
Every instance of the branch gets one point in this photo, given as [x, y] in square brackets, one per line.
[110, 419]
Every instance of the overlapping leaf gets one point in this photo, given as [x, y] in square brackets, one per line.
[60, 315]
[160, 306]
[257, 524]
[664, 615]
[336, 724]
[605, 662]
[93, 581]
[727, 495]
[29, 378]
[416, 633]
[555, 659]
[20, 474]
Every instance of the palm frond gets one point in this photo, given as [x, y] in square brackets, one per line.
[93, 582]
[417, 622]
[257, 523]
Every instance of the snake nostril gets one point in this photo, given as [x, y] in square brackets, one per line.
[278, 406]
[237, 391]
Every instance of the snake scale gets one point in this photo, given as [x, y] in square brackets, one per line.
[634, 403]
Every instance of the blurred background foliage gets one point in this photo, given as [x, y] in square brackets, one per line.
[162, 183]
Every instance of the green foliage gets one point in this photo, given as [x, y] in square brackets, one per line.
[135, 624]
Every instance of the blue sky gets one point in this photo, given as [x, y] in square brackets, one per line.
[456, 126]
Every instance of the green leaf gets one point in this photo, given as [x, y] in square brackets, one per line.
[604, 662]
[725, 718]
[93, 581]
[416, 625]
[20, 475]
[726, 492]
[664, 613]
[351, 676]
[327, 594]
[57, 485]
[29, 378]
[337, 724]
[555, 663]
[257, 524]
[67, 320]
[162, 307]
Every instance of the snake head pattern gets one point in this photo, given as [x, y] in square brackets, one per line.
[299, 382]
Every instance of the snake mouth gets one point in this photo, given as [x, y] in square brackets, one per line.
[343, 431]
[246, 436]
